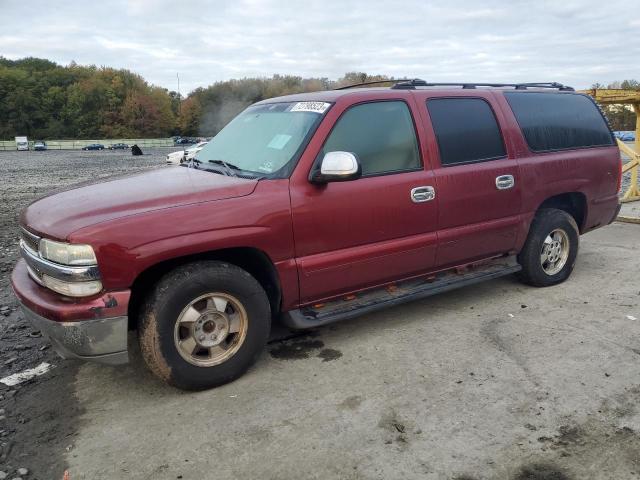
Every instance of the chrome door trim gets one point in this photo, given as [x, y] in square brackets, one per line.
[505, 182]
[423, 194]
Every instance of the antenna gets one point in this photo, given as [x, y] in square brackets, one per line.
[179, 96]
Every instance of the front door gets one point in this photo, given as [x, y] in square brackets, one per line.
[370, 231]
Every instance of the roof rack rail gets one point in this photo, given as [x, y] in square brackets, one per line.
[412, 84]
[375, 82]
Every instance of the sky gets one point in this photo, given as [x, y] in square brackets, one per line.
[573, 42]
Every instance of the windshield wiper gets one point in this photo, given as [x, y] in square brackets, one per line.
[229, 166]
[195, 164]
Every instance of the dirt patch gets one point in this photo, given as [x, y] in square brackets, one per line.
[295, 349]
[567, 436]
[398, 430]
[580, 447]
[538, 471]
[534, 471]
[624, 404]
[300, 345]
[350, 403]
[329, 354]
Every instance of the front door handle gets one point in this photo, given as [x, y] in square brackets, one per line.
[422, 194]
[505, 182]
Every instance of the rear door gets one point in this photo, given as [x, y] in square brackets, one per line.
[478, 182]
[361, 233]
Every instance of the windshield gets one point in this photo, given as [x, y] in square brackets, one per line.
[264, 139]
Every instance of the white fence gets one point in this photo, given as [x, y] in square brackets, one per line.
[78, 144]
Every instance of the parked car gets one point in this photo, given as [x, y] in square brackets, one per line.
[627, 136]
[181, 156]
[315, 208]
[191, 152]
[175, 158]
[184, 141]
[93, 146]
[119, 146]
[40, 146]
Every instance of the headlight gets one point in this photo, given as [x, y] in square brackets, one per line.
[72, 289]
[67, 253]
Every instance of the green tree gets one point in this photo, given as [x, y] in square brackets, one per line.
[44, 100]
[621, 117]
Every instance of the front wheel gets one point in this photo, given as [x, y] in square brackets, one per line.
[549, 253]
[204, 325]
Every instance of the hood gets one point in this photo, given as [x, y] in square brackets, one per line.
[60, 213]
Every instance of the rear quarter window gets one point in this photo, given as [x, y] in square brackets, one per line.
[559, 121]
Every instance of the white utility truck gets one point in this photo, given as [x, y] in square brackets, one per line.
[22, 143]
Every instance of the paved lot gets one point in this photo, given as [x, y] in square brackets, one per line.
[495, 381]
[485, 382]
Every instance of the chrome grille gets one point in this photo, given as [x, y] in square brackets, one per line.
[30, 240]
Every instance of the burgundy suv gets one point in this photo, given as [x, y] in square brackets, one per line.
[315, 208]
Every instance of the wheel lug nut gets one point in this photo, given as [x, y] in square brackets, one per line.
[201, 338]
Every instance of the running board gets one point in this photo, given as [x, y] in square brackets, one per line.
[401, 292]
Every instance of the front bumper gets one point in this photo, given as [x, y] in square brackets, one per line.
[103, 340]
[94, 329]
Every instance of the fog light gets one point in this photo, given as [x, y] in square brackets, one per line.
[72, 289]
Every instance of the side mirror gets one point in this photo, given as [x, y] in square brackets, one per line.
[336, 167]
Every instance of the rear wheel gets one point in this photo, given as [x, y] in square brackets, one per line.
[204, 325]
[550, 251]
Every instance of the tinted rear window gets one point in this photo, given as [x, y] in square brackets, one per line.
[466, 130]
[558, 121]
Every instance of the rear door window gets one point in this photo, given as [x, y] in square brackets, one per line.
[559, 121]
[466, 130]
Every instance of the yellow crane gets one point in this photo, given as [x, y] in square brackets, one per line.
[608, 96]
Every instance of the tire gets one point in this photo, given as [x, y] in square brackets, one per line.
[558, 232]
[166, 342]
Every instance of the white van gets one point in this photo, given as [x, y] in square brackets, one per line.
[22, 143]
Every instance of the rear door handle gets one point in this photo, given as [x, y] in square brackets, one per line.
[422, 194]
[505, 182]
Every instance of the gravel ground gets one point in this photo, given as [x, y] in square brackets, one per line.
[26, 176]
[72, 416]
[26, 429]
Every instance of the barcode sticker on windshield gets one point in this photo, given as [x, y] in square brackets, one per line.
[315, 107]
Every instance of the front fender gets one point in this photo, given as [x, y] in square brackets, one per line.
[127, 246]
